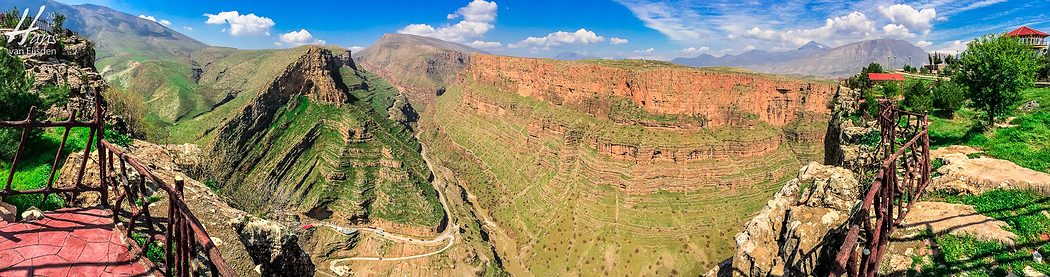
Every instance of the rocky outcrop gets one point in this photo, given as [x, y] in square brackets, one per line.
[965, 175]
[847, 143]
[789, 237]
[719, 98]
[315, 74]
[273, 247]
[66, 60]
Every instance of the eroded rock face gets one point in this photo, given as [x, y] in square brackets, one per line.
[68, 60]
[848, 144]
[788, 238]
[273, 247]
[720, 98]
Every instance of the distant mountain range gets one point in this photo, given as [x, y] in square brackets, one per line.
[117, 34]
[574, 56]
[819, 60]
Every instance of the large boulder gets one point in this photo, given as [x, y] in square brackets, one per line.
[793, 234]
[274, 248]
[963, 174]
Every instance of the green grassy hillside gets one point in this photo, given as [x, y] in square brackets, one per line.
[338, 161]
[575, 211]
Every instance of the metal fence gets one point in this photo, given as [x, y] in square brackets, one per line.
[181, 234]
[899, 182]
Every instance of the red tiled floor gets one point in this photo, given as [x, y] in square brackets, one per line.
[67, 242]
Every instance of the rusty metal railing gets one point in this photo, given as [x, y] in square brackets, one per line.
[181, 233]
[29, 124]
[900, 181]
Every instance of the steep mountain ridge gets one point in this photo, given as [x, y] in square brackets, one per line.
[309, 143]
[422, 67]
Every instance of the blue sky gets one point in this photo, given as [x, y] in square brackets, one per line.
[653, 29]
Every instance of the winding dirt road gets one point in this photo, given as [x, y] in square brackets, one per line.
[448, 234]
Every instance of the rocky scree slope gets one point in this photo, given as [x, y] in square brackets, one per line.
[323, 141]
[621, 167]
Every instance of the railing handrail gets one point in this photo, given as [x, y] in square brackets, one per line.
[885, 194]
[179, 216]
[200, 234]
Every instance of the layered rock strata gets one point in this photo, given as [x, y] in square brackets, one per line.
[720, 98]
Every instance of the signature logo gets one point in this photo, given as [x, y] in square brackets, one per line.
[24, 34]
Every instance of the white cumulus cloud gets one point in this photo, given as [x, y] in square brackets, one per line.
[618, 41]
[477, 16]
[301, 37]
[916, 21]
[923, 43]
[242, 25]
[154, 19]
[693, 51]
[854, 24]
[953, 47]
[485, 44]
[477, 10]
[897, 31]
[581, 36]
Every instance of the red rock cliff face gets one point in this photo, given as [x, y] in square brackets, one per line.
[720, 97]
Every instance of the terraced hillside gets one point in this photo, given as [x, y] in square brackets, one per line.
[621, 168]
[328, 141]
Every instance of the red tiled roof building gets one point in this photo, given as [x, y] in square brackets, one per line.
[1032, 37]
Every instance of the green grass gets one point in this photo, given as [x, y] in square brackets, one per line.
[1027, 144]
[564, 202]
[35, 167]
[307, 142]
[1022, 210]
[154, 251]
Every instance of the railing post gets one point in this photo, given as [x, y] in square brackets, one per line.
[182, 253]
[169, 239]
[100, 122]
[21, 147]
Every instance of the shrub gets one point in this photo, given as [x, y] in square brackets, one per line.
[948, 97]
[995, 69]
[15, 102]
[890, 89]
[129, 107]
[861, 81]
[1043, 73]
[918, 97]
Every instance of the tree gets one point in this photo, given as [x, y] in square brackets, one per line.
[995, 69]
[1044, 68]
[57, 23]
[861, 81]
[908, 68]
[918, 96]
[16, 98]
[890, 89]
[948, 97]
